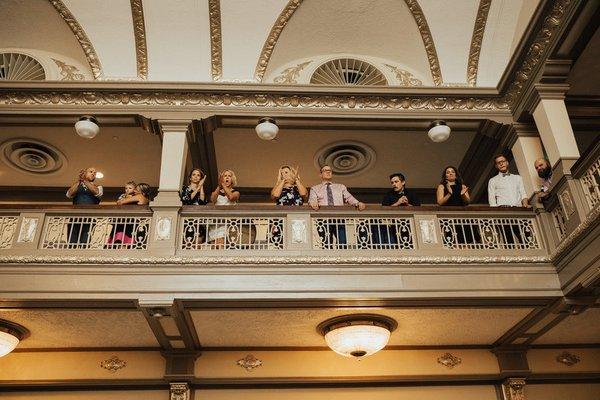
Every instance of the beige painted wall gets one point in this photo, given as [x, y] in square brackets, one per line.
[399, 393]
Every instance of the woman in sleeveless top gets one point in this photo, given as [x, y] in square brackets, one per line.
[224, 195]
[451, 191]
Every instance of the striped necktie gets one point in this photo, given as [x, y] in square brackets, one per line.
[329, 194]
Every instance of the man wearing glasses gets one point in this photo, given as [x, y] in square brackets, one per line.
[328, 193]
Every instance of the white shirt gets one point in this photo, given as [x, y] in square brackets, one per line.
[506, 189]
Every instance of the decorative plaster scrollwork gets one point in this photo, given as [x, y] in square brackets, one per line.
[567, 358]
[432, 57]
[449, 361]
[405, 78]
[68, 72]
[427, 227]
[299, 231]
[249, 362]
[179, 391]
[537, 50]
[216, 53]
[139, 34]
[113, 364]
[290, 75]
[514, 389]
[476, 40]
[84, 40]
[163, 228]
[267, 50]
[248, 100]
[566, 201]
[28, 230]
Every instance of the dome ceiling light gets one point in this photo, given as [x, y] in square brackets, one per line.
[439, 131]
[267, 129]
[357, 335]
[87, 127]
[10, 336]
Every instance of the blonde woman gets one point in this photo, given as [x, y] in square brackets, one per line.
[289, 190]
[224, 195]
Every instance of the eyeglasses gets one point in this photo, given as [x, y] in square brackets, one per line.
[326, 170]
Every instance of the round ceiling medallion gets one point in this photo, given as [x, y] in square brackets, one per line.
[32, 156]
[346, 158]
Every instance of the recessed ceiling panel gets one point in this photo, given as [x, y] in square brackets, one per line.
[582, 328]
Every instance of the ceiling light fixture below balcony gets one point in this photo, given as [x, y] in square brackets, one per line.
[267, 129]
[439, 131]
[10, 336]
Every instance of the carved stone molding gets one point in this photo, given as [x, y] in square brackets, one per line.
[299, 231]
[28, 230]
[537, 50]
[139, 34]
[290, 75]
[269, 45]
[216, 40]
[249, 362]
[82, 38]
[567, 358]
[432, 57]
[219, 99]
[113, 364]
[68, 72]
[476, 40]
[514, 389]
[275, 260]
[179, 391]
[405, 78]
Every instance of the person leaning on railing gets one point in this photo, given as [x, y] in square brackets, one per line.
[398, 196]
[544, 171]
[124, 232]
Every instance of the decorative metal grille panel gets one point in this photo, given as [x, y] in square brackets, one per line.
[363, 233]
[591, 184]
[8, 228]
[489, 233]
[19, 67]
[116, 233]
[348, 71]
[215, 233]
[560, 222]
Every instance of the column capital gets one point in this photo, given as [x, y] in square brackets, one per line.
[543, 91]
[525, 130]
[174, 125]
[513, 388]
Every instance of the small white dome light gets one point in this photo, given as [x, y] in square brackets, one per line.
[266, 128]
[10, 336]
[87, 127]
[439, 131]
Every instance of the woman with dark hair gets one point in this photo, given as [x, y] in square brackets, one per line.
[192, 194]
[451, 191]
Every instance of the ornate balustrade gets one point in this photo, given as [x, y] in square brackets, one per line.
[265, 231]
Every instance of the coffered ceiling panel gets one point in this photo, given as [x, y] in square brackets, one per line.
[298, 327]
[409, 152]
[110, 29]
[178, 36]
[61, 329]
[245, 26]
[582, 328]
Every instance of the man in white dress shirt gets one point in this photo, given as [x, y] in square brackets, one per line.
[506, 189]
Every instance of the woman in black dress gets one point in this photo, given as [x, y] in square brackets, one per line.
[452, 192]
[193, 194]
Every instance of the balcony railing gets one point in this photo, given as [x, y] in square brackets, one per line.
[267, 231]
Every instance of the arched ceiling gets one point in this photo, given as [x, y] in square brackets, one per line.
[256, 41]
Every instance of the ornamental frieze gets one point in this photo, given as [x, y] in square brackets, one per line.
[247, 100]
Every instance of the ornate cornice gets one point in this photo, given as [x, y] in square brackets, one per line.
[82, 38]
[476, 40]
[275, 260]
[536, 51]
[216, 53]
[432, 57]
[405, 78]
[267, 50]
[290, 75]
[139, 34]
[255, 99]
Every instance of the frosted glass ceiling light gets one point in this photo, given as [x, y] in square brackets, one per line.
[266, 128]
[10, 336]
[438, 131]
[357, 335]
[87, 127]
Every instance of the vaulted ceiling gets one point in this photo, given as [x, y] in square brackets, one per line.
[412, 42]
